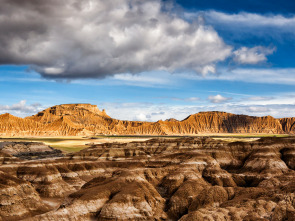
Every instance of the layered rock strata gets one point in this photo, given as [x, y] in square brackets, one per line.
[29, 150]
[159, 179]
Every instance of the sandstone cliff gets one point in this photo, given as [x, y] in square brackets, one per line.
[87, 119]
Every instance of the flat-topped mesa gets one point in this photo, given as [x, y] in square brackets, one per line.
[71, 110]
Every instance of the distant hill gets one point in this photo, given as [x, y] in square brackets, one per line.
[88, 120]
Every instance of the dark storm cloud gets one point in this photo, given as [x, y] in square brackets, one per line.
[96, 38]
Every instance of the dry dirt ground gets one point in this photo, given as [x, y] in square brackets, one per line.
[74, 144]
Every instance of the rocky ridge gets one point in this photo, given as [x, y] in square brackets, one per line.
[88, 120]
[159, 179]
[29, 150]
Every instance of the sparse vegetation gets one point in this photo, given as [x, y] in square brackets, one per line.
[74, 144]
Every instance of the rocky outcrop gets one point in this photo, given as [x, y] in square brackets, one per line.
[18, 199]
[29, 150]
[159, 179]
[288, 124]
[87, 119]
[16, 126]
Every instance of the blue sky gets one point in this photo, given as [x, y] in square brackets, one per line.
[151, 61]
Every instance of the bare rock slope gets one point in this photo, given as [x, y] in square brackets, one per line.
[29, 150]
[159, 179]
[87, 119]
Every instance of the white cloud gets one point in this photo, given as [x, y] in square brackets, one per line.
[21, 109]
[258, 109]
[158, 113]
[153, 79]
[143, 111]
[255, 75]
[188, 99]
[275, 110]
[260, 98]
[98, 38]
[218, 99]
[284, 76]
[248, 19]
[279, 99]
[140, 117]
[253, 55]
[192, 99]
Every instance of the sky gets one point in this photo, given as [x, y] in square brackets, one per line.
[148, 60]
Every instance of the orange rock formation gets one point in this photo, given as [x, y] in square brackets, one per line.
[87, 119]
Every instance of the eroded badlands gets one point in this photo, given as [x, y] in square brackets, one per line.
[159, 179]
